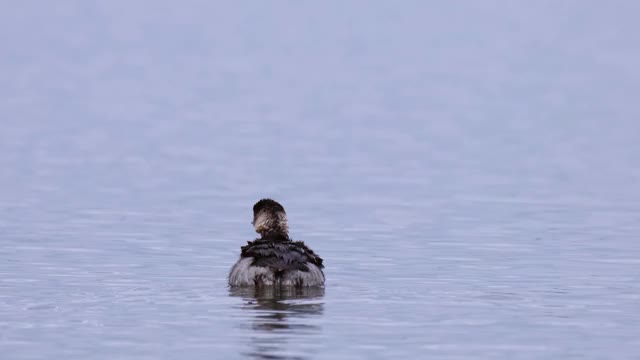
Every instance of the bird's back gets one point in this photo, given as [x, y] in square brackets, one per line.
[277, 260]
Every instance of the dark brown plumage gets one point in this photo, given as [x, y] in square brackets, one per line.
[280, 253]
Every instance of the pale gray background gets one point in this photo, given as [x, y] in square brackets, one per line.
[469, 170]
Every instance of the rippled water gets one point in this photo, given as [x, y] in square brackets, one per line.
[469, 172]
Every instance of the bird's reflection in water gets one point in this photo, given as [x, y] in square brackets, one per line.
[283, 321]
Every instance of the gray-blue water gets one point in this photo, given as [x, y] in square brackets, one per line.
[470, 172]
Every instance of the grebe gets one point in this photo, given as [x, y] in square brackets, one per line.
[274, 259]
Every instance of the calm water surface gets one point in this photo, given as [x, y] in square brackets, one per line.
[469, 172]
